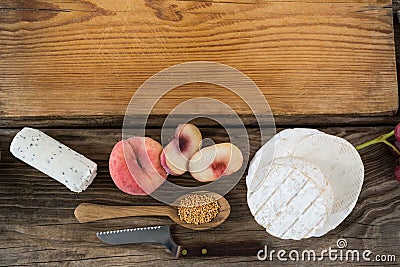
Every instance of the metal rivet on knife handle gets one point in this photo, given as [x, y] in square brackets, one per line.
[204, 251]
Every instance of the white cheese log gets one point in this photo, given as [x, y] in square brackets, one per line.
[53, 159]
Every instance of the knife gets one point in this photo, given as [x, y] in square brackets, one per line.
[162, 235]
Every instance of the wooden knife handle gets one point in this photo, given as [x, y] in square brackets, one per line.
[87, 212]
[220, 250]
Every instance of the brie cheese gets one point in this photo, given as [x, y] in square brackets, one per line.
[288, 172]
[294, 199]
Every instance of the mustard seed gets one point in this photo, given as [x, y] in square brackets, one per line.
[198, 209]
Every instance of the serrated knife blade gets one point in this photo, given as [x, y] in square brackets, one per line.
[162, 235]
[152, 234]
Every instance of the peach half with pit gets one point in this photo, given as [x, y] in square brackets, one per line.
[185, 142]
[135, 165]
[213, 162]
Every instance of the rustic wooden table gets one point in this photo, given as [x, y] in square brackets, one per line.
[37, 225]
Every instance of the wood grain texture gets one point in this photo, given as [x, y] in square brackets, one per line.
[87, 57]
[38, 227]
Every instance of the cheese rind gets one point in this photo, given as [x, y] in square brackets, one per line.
[54, 159]
[294, 200]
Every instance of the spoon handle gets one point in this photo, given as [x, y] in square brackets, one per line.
[87, 212]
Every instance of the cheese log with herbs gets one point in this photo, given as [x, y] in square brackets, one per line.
[294, 199]
[54, 159]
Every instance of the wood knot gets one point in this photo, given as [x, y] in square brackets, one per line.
[38, 11]
[29, 11]
[171, 11]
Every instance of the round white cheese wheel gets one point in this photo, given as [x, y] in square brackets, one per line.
[278, 146]
[294, 199]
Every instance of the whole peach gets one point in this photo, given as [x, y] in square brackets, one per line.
[135, 165]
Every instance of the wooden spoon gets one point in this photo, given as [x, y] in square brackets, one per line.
[87, 212]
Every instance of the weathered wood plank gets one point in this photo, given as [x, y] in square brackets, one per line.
[37, 225]
[65, 58]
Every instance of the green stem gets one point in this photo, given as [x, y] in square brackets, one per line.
[392, 146]
[380, 139]
[386, 136]
[366, 144]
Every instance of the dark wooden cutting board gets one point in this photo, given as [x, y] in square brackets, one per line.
[64, 58]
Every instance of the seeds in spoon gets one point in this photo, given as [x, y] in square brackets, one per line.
[198, 209]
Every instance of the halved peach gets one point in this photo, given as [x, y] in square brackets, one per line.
[213, 162]
[175, 156]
